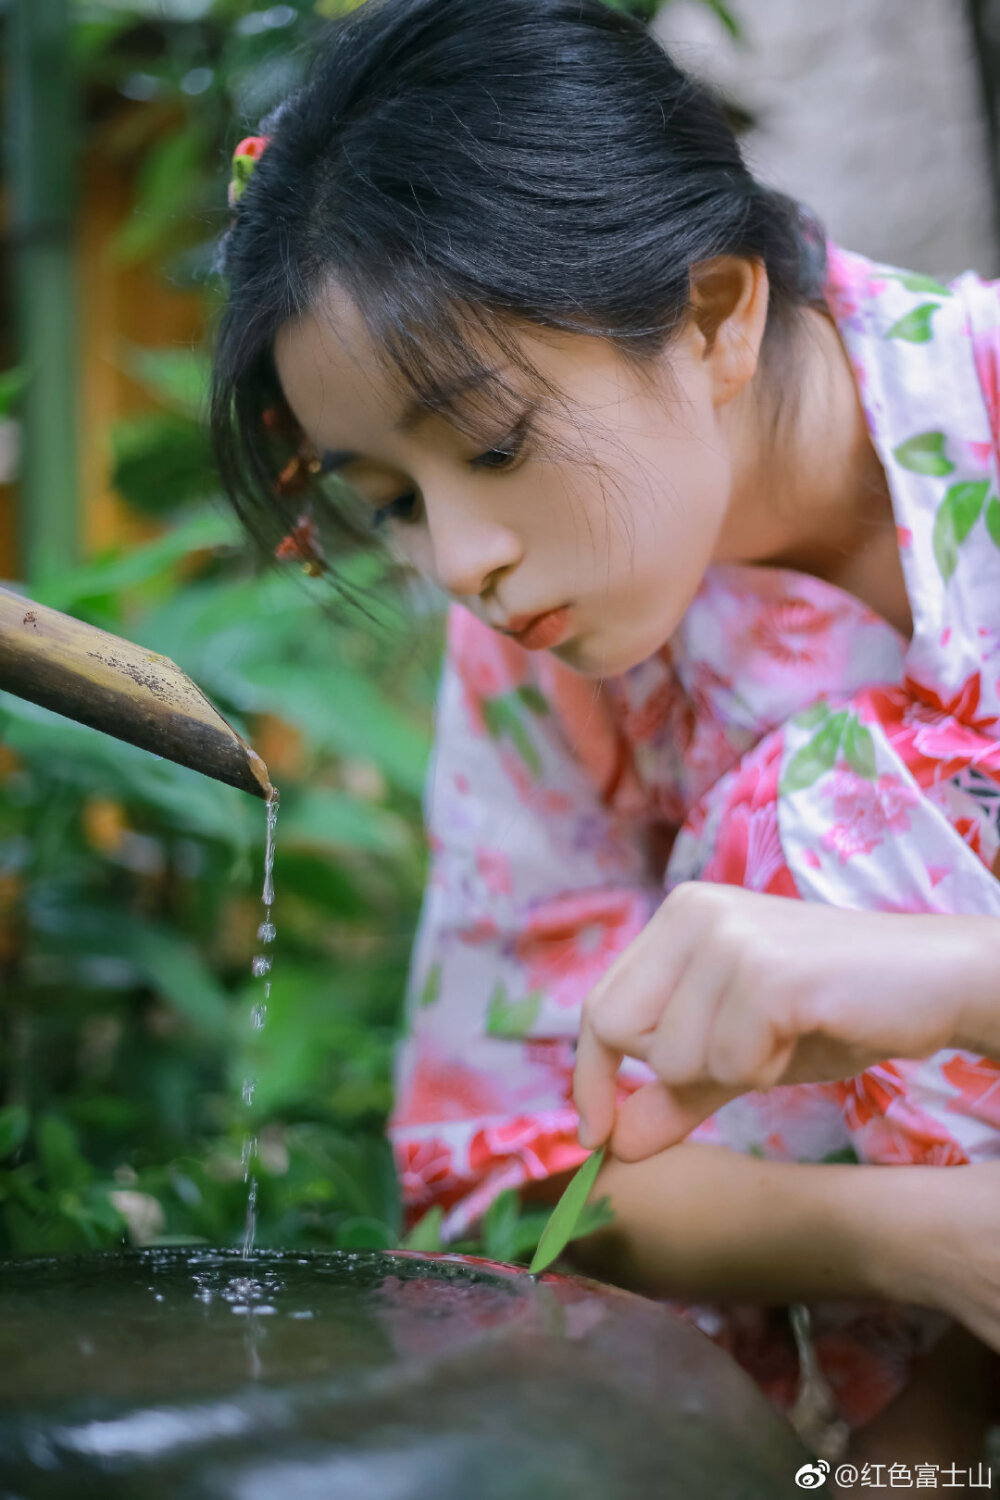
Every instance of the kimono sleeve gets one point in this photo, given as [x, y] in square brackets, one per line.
[539, 877]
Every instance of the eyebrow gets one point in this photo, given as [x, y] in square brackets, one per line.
[440, 399]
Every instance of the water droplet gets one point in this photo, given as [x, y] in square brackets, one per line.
[261, 965]
[266, 932]
[249, 1087]
[258, 1015]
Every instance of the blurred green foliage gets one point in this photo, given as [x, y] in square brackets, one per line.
[130, 887]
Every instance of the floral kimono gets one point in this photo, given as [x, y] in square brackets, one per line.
[786, 739]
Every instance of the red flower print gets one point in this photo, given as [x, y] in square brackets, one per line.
[977, 1080]
[866, 811]
[889, 1127]
[748, 850]
[487, 663]
[442, 1088]
[494, 869]
[568, 942]
[963, 704]
[426, 1172]
[935, 738]
[542, 1150]
[794, 633]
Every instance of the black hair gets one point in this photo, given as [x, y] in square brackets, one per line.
[460, 166]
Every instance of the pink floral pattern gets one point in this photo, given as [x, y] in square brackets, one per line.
[786, 739]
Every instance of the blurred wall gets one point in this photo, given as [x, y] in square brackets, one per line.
[870, 111]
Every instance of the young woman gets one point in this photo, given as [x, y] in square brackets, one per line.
[716, 506]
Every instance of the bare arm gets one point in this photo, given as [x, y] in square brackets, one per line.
[707, 1224]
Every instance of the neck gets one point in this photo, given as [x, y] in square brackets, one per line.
[810, 492]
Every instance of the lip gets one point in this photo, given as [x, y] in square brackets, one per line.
[539, 632]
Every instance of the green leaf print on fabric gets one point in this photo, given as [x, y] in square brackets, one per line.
[915, 326]
[924, 454]
[814, 714]
[957, 514]
[915, 281]
[511, 1017]
[432, 986]
[859, 749]
[993, 520]
[533, 698]
[502, 717]
[815, 759]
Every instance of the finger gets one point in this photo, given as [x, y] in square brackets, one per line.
[627, 1001]
[655, 1117]
[615, 1021]
[749, 1046]
[677, 1051]
[595, 1090]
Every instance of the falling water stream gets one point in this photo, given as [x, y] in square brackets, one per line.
[261, 969]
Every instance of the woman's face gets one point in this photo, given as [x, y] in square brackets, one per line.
[583, 525]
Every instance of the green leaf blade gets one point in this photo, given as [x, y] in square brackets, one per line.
[565, 1217]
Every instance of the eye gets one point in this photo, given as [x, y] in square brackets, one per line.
[505, 454]
[403, 509]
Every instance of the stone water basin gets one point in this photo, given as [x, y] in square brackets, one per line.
[194, 1374]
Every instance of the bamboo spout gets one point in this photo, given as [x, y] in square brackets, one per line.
[120, 688]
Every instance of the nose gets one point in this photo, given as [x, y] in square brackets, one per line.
[467, 548]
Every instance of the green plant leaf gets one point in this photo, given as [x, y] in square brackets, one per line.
[12, 384]
[14, 1122]
[161, 462]
[595, 1216]
[956, 515]
[993, 520]
[127, 567]
[924, 454]
[565, 1217]
[859, 749]
[500, 1225]
[365, 1233]
[426, 1233]
[511, 1017]
[178, 378]
[915, 326]
[59, 1154]
[332, 819]
[815, 758]
[165, 193]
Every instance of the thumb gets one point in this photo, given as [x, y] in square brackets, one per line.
[657, 1116]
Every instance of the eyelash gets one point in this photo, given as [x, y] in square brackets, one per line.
[509, 451]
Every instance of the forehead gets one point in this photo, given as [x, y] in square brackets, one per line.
[348, 395]
[332, 377]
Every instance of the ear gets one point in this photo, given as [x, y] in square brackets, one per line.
[729, 299]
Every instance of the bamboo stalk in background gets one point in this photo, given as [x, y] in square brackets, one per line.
[113, 685]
